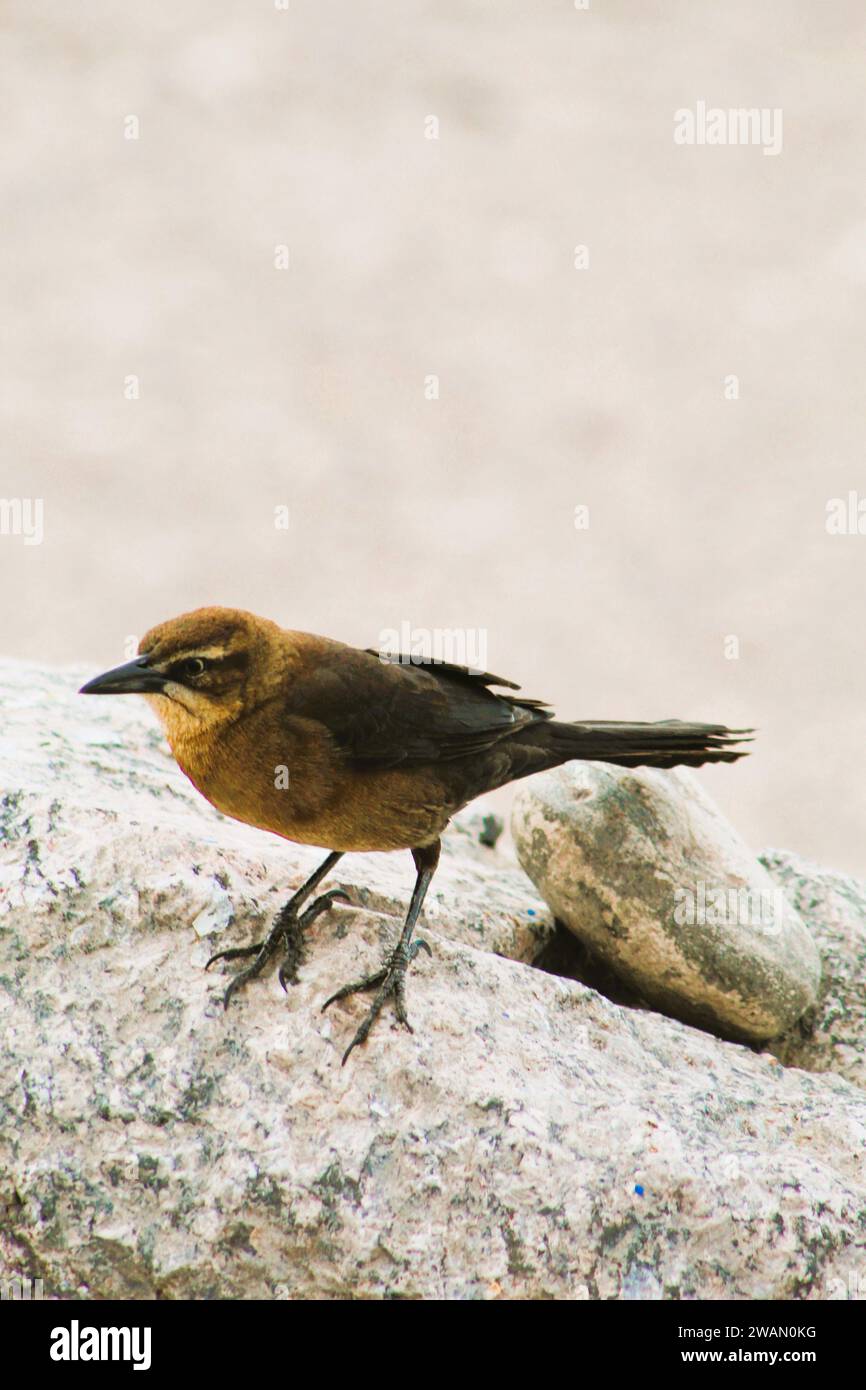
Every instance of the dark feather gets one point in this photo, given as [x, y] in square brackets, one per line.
[385, 714]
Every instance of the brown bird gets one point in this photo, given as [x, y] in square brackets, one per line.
[329, 745]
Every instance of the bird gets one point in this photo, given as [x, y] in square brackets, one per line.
[352, 749]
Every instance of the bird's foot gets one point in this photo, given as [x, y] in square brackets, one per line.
[391, 979]
[288, 930]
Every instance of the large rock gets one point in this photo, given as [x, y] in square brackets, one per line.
[642, 866]
[531, 1139]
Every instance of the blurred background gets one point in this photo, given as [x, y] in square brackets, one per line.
[166, 385]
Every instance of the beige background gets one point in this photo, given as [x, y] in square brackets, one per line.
[408, 257]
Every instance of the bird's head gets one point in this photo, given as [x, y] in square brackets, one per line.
[201, 669]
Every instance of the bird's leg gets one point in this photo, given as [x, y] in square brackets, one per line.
[391, 979]
[288, 929]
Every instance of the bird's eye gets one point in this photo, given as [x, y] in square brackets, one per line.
[192, 666]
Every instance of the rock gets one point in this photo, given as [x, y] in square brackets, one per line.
[833, 906]
[644, 869]
[531, 1139]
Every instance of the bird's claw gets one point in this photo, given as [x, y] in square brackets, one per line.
[288, 928]
[288, 971]
[391, 979]
[240, 979]
[235, 953]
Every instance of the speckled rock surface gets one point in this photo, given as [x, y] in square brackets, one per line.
[531, 1139]
[642, 866]
[833, 906]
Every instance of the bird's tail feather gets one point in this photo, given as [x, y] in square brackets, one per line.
[669, 743]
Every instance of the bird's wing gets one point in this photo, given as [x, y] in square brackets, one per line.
[387, 713]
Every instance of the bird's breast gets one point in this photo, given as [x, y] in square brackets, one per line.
[296, 785]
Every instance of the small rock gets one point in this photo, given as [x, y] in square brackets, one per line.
[216, 916]
[644, 869]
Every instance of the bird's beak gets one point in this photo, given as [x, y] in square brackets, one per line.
[133, 678]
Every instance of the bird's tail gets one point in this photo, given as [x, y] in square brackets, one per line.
[670, 743]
